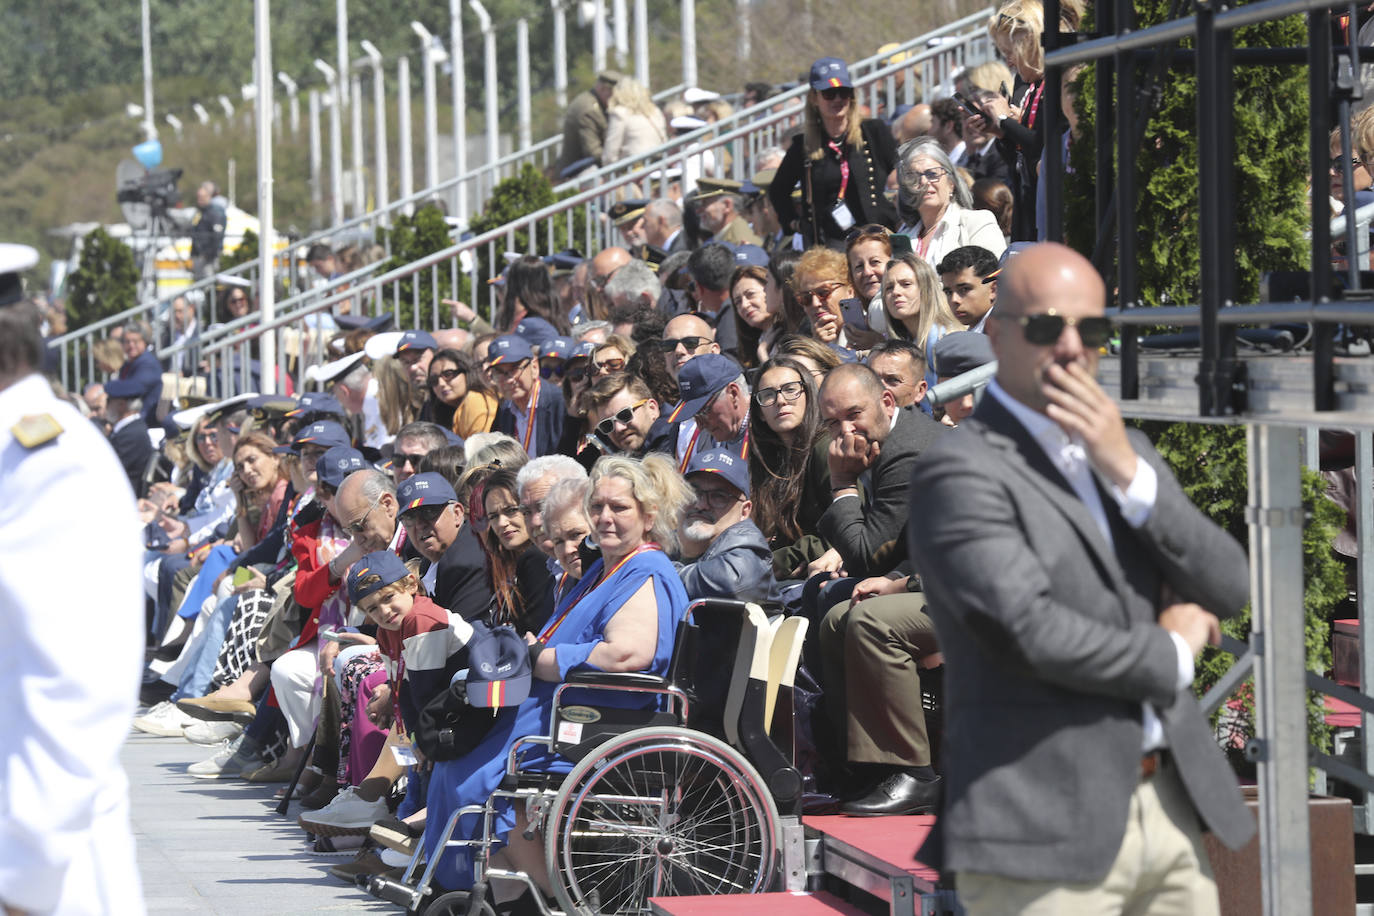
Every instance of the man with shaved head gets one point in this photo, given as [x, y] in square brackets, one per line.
[1071, 583]
[685, 336]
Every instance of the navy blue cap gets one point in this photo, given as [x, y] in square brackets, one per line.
[830, 73]
[337, 463]
[427, 489]
[325, 432]
[961, 351]
[123, 388]
[453, 438]
[536, 330]
[499, 279]
[499, 672]
[566, 259]
[510, 348]
[747, 255]
[560, 347]
[372, 323]
[384, 565]
[416, 339]
[700, 379]
[722, 461]
[317, 402]
[584, 350]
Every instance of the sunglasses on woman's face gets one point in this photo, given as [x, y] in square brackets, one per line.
[447, 375]
[837, 93]
[622, 416]
[607, 367]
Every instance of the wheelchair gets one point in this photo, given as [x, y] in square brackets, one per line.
[696, 794]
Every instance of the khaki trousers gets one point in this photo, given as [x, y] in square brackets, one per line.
[1161, 869]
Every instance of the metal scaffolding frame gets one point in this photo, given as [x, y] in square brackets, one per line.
[1220, 387]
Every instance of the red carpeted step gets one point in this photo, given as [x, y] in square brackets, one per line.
[893, 840]
[789, 903]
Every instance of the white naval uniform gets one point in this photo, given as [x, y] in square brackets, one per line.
[71, 654]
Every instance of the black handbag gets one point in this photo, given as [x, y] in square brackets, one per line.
[449, 727]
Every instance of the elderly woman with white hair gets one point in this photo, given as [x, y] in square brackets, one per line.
[937, 206]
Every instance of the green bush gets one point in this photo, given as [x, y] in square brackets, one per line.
[105, 283]
[413, 238]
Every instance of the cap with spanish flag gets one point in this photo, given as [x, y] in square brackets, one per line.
[427, 489]
[373, 573]
[499, 670]
[830, 73]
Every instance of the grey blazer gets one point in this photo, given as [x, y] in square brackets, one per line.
[1051, 645]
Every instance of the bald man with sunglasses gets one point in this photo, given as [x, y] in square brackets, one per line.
[1072, 584]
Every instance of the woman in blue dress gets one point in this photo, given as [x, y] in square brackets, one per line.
[621, 616]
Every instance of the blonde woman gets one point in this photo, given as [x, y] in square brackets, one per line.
[915, 305]
[634, 125]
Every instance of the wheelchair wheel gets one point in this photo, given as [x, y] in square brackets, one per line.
[454, 903]
[659, 812]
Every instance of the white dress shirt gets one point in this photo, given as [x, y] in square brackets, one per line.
[1135, 503]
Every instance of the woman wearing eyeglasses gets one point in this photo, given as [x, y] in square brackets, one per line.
[840, 160]
[822, 283]
[522, 589]
[789, 478]
[459, 395]
[611, 356]
[937, 206]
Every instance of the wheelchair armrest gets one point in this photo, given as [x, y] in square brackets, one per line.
[612, 680]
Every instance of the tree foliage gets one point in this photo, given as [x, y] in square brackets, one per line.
[106, 283]
[420, 295]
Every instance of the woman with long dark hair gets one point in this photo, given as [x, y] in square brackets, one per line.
[789, 477]
[840, 160]
[460, 397]
[521, 586]
[530, 294]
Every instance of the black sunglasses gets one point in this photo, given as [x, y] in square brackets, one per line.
[840, 92]
[624, 416]
[1043, 330]
[576, 373]
[669, 344]
[447, 375]
[401, 459]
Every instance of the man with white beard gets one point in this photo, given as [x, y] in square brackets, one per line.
[724, 554]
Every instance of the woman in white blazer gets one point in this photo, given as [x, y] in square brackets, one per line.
[937, 206]
[634, 125]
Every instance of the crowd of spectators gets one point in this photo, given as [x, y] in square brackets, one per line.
[730, 405]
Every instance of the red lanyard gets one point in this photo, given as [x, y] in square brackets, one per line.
[1035, 104]
[605, 576]
[744, 448]
[844, 167]
[687, 455]
[529, 417]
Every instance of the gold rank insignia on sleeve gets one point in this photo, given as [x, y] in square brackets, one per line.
[36, 429]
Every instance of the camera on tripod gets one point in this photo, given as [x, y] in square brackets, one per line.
[156, 189]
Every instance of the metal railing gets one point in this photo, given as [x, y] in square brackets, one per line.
[931, 57]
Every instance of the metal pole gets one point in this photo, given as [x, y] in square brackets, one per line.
[341, 40]
[599, 36]
[431, 105]
[1364, 591]
[689, 42]
[1276, 587]
[403, 130]
[560, 53]
[356, 110]
[315, 194]
[522, 58]
[460, 106]
[383, 176]
[175, 122]
[743, 38]
[149, 124]
[620, 25]
[267, 345]
[292, 96]
[642, 42]
[492, 114]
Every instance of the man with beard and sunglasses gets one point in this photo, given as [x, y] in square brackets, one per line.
[1072, 584]
[625, 416]
[723, 553]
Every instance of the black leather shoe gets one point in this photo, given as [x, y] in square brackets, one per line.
[897, 794]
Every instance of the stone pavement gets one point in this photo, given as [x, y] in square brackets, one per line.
[217, 846]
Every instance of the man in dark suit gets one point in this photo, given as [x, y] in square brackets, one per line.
[435, 524]
[128, 432]
[530, 411]
[1072, 584]
[142, 368]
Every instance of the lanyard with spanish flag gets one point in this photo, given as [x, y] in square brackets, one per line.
[687, 454]
[529, 417]
[579, 592]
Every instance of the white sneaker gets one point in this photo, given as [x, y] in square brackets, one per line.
[209, 734]
[227, 763]
[164, 720]
[346, 815]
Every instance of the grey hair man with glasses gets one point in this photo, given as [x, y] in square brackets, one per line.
[367, 509]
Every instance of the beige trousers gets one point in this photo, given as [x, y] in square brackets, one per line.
[1160, 870]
